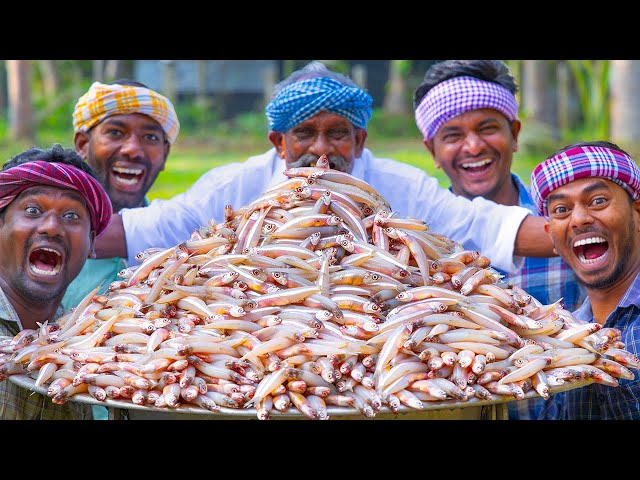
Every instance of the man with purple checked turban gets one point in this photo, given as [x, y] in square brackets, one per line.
[313, 112]
[51, 210]
[590, 194]
[467, 113]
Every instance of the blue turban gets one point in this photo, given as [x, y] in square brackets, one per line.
[302, 100]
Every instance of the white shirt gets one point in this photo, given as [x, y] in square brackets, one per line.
[479, 225]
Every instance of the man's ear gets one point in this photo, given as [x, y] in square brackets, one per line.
[546, 230]
[278, 141]
[515, 131]
[636, 209]
[361, 137]
[92, 244]
[167, 150]
[81, 143]
[429, 145]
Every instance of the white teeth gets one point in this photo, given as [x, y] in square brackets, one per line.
[480, 163]
[50, 273]
[50, 250]
[126, 181]
[130, 171]
[587, 241]
[588, 261]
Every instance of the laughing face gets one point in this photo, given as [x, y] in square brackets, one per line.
[45, 238]
[475, 150]
[127, 152]
[594, 227]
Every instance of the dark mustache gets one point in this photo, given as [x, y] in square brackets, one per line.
[336, 162]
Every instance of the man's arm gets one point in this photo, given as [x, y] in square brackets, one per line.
[532, 240]
[112, 242]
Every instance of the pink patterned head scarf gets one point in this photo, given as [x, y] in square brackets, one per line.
[458, 95]
[583, 162]
[15, 180]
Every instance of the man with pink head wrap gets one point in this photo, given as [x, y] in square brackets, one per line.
[52, 209]
[590, 194]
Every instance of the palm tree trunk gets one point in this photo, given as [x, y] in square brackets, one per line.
[50, 77]
[20, 106]
[625, 104]
[539, 95]
[397, 100]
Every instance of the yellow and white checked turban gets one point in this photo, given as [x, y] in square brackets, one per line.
[102, 101]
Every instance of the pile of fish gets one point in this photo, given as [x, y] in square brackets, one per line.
[314, 295]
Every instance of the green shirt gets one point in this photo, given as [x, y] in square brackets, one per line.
[94, 272]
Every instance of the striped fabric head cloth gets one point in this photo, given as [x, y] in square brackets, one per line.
[102, 101]
[302, 100]
[458, 95]
[583, 162]
[15, 180]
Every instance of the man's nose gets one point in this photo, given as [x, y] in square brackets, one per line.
[50, 224]
[321, 145]
[580, 216]
[132, 147]
[473, 144]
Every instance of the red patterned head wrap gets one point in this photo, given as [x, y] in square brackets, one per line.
[16, 179]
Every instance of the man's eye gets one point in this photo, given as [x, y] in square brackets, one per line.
[559, 210]
[450, 137]
[113, 132]
[152, 137]
[72, 215]
[32, 210]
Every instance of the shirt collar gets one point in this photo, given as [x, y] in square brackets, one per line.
[630, 298]
[7, 312]
[278, 166]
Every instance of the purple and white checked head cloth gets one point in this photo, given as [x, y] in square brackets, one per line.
[458, 95]
[583, 162]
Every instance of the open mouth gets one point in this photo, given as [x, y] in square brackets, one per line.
[45, 261]
[127, 177]
[478, 166]
[590, 250]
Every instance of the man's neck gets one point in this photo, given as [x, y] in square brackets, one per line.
[605, 301]
[508, 194]
[30, 312]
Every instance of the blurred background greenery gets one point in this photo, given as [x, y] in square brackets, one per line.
[222, 118]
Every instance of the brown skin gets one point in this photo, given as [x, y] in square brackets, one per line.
[135, 142]
[482, 135]
[325, 133]
[590, 208]
[42, 217]
[336, 137]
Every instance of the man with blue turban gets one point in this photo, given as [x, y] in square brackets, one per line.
[315, 112]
